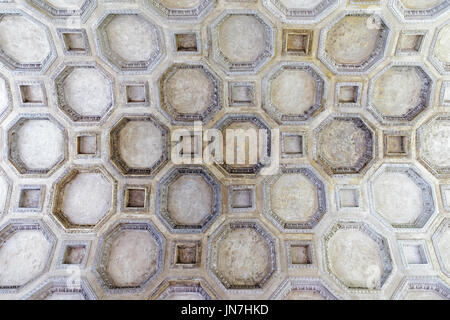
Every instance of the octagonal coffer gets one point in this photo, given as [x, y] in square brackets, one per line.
[418, 10]
[62, 288]
[241, 255]
[441, 243]
[188, 199]
[35, 243]
[294, 92]
[129, 42]
[303, 289]
[37, 144]
[5, 97]
[26, 44]
[239, 159]
[440, 50]
[84, 198]
[63, 10]
[422, 288]
[184, 289]
[354, 43]
[181, 9]
[401, 197]
[242, 41]
[399, 93]
[139, 145]
[129, 256]
[294, 200]
[344, 144]
[433, 145]
[357, 256]
[190, 92]
[84, 92]
[302, 10]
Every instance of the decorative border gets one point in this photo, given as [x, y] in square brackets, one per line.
[218, 235]
[16, 225]
[104, 246]
[319, 102]
[295, 227]
[423, 284]
[249, 67]
[113, 60]
[429, 207]
[162, 198]
[315, 285]
[114, 154]
[375, 236]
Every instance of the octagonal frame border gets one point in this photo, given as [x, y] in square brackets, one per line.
[442, 67]
[81, 286]
[307, 16]
[320, 80]
[438, 172]
[13, 226]
[57, 80]
[426, 283]
[346, 172]
[382, 45]
[40, 67]
[9, 182]
[9, 97]
[217, 235]
[187, 119]
[127, 67]
[46, 172]
[242, 68]
[200, 285]
[426, 98]
[196, 14]
[257, 120]
[55, 208]
[117, 227]
[162, 194]
[429, 197]
[380, 240]
[406, 15]
[445, 224]
[303, 284]
[115, 156]
[297, 227]
[58, 14]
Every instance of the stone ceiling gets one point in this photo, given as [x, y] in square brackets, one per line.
[355, 96]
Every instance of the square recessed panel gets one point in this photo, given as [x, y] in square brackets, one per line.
[136, 198]
[190, 146]
[30, 198]
[299, 254]
[445, 94]
[135, 93]
[74, 41]
[87, 145]
[348, 197]
[297, 42]
[348, 94]
[186, 42]
[396, 144]
[293, 145]
[445, 194]
[241, 94]
[241, 198]
[74, 253]
[410, 42]
[32, 94]
[186, 254]
[414, 253]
